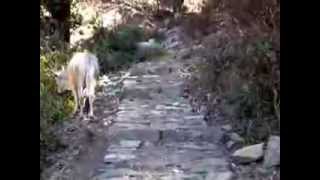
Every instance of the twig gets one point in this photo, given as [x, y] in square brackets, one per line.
[276, 106]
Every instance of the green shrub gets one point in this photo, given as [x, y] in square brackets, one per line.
[125, 38]
[115, 49]
[53, 107]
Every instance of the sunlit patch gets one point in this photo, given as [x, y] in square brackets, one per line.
[194, 6]
[111, 19]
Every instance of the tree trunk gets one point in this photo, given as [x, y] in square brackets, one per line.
[61, 11]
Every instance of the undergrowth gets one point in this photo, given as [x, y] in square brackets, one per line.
[116, 49]
[246, 75]
[54, 108]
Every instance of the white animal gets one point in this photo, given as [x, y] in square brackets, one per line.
[80, 77]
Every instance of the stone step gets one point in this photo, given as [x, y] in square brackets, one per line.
[193, 145]
[135, 134]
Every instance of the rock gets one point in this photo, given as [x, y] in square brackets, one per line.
[204, 164]
[226, 127]
[116, 174]
[203, 109]
[249, 154]
[148, 48]
[166, 22]
[272, 155]
[185, 53]
[130, 143]
[264, 171]
[147, 144]
[197, 34]
[76, 152]
[230, 144]
[198, 47]
[236, 137]
[112, 158]
[151, 71]
[221, 176]
[162, 30]
[137, 135]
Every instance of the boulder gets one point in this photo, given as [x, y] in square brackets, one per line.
[272, 154]
[249, 153]
[226, 127]
[148, 48]
[236, 137]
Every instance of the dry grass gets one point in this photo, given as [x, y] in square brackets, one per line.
[240, 73]
[245, 74]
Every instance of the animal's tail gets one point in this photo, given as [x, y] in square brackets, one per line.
[91, 77]
[96, 67]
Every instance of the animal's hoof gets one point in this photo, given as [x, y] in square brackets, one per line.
[92, 116]
[73, 115]
[85, 118]
[75, 112]
[81, 114]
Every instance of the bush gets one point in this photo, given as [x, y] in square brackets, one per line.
[124, 38]
[115, 49]
[53, 107]
[247, 75]
[51, 31]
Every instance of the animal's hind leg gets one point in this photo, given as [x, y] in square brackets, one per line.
[76, 100]
[82, 102]
[91, 99]
[90, 93]
[81, 106]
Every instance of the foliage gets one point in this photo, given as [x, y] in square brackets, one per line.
[115, 49]
[241, 76]
[75, 17]
[247, 75]
[51, 11]
[96, 22]
[125, 38]
[53, 107]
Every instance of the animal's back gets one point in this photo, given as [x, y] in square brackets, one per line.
[82, 66]
[83, 62]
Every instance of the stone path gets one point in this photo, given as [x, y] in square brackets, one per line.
[156, 135]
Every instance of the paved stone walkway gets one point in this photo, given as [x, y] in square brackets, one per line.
[156, 135]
